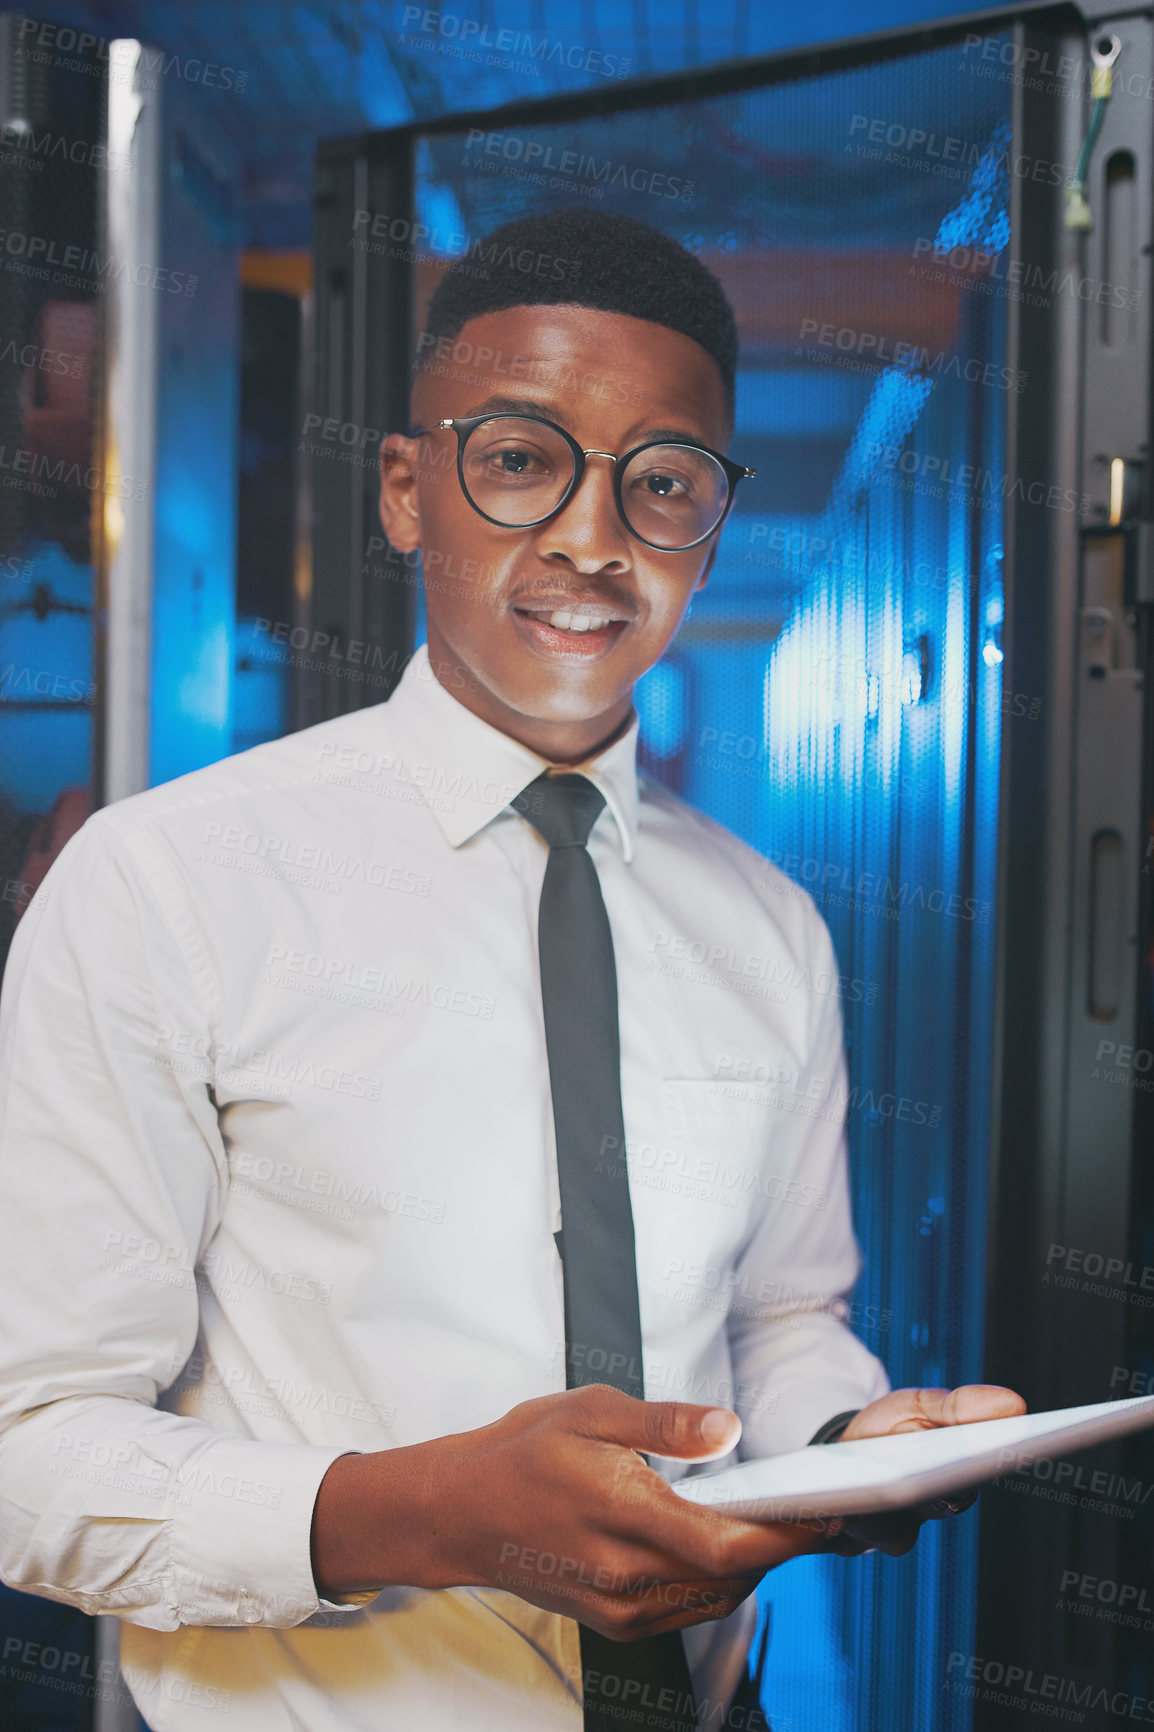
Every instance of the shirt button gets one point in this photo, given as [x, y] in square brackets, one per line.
[248, 1611]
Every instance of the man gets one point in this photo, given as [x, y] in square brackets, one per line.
[364, 1160]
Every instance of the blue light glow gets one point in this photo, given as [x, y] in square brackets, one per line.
[660, 700]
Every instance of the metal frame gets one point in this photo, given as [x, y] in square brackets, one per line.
[131, 217]
[361, 372]
[1069, 852]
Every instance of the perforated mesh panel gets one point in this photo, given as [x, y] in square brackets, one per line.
[50, 481]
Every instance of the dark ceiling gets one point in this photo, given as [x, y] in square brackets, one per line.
[274, 77]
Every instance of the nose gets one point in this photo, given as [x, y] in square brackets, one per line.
[587, 533]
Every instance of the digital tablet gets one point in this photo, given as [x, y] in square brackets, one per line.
[887, 1473]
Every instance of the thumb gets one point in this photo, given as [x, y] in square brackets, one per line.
[925, 1409]
[680, 1429]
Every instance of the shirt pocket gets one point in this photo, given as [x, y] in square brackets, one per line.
[696, 1184]
[710, 1108]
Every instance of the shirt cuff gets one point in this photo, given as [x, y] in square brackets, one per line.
[242, 1532]
[831, 1431]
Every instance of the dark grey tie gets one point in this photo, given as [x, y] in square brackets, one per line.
[626, 1684]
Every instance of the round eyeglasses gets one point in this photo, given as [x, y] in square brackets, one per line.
[518, 470]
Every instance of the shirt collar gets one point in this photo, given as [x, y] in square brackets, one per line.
[468, 771]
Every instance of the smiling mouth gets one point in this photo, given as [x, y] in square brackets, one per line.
[573, 621]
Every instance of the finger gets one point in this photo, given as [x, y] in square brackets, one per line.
[679, 1595]
[679, 1429]
[632, 1569]
[845, 1546]
[894, 1532]
[640, 1508]
[973, 1402]
[648, 1513]
[940, 1507]
[900, 1410]
[724, 1608]
[905, 1410]
[683, 1604]
[721, 1545]
[901, 1541]
[618, 1628]
[648, 1609]
[966, 1405]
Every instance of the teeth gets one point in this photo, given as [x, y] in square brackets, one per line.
[576, 622]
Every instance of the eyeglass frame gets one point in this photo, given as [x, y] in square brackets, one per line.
[464, 426]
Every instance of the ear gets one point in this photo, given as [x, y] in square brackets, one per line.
[707, 567]
[399, 507]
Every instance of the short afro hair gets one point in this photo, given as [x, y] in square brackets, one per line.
[586, 258]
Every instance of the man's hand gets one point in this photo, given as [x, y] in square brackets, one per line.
[917, 1410]
[554, 1503]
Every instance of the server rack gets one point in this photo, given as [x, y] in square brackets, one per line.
[1068, 1175]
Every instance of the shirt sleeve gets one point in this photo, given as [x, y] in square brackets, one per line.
[796, 1363]
[112, 1178]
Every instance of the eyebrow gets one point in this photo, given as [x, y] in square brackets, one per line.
[551, 412]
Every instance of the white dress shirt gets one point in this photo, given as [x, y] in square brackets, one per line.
[278, 1181]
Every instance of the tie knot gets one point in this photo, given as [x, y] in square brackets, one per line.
[563, 809]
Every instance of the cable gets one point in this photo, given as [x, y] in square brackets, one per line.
[1103, 53]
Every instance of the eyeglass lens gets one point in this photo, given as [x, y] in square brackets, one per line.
[516, 472]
